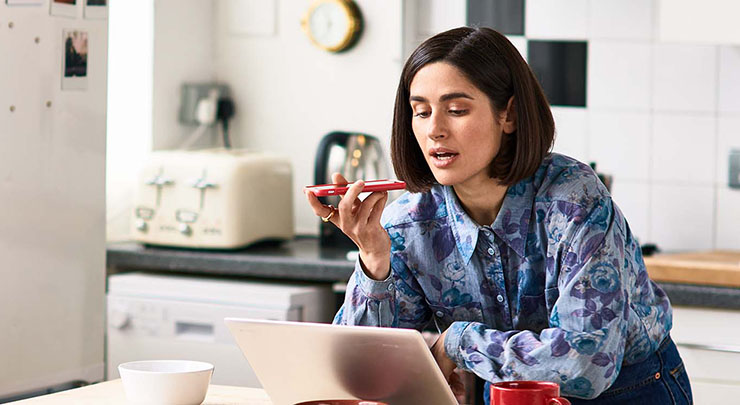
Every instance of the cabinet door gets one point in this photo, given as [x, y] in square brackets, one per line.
[708, 342]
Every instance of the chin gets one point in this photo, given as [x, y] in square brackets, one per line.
[445, 179]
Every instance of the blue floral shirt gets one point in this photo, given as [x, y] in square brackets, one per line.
[554, 290]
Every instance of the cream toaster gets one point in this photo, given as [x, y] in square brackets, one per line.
[216, 198]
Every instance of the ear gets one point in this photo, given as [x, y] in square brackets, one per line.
[509, 119]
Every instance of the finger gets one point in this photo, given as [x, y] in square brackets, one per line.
[348, 204]
[456, 384]
[368, 207]
[337, 178]
[378, 208]
[316, 205]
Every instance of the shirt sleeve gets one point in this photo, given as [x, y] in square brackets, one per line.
[396, 301]
[584, 345]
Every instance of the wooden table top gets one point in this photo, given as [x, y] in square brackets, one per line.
[111, 393]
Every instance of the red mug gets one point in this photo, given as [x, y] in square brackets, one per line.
[526, 393]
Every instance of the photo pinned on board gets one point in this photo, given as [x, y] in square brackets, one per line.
[96, 9]
[74, 60]
[24, 2]
[63, 8]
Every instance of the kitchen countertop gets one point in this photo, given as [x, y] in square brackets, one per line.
[111, 393]
[302, 259]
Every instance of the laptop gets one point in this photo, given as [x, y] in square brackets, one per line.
[301, 361]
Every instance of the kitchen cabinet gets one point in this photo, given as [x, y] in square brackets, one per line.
[709, 345]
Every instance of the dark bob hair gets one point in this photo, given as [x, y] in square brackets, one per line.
[494, 66]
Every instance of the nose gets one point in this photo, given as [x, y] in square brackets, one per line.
[437, 129]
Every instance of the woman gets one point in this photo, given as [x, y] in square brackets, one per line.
[519, 256]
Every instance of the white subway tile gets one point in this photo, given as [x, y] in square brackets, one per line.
[520, 43]
[684, 77]
[620, 144]
[571, 126]
[621, 19]
[729, 79]
[728, 138]
[619, 75]
[728, 218]
[435, 16]
[633, 199]
[681, 217]
[684, 148]
[556, 19]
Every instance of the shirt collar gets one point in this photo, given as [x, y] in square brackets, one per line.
[511, 223]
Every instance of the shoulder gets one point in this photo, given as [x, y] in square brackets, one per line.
[415, 207]
[564, 180]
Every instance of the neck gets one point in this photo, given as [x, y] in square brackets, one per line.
[483, 200]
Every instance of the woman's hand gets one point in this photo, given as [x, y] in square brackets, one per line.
[360, 221]
[447, 366]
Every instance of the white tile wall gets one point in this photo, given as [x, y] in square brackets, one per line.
[619, 75]
[556, 19]
[633, 198]
[684, 148]
[728, 218]
[435, 16]
[571, 132]
[682, 216]
[620, 144]
[728, 138]
[685, 77]
[520, 42]
[621, 19]
[729, 79]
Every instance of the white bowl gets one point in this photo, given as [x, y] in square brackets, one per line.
[166, 382]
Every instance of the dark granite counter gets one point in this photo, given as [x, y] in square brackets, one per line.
[302, 259]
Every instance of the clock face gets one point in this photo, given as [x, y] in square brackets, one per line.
[333, 25]
[329, 24]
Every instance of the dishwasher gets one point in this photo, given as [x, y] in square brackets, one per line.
[152, 317]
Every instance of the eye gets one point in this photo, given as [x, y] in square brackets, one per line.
[422, 114]
[457, 112]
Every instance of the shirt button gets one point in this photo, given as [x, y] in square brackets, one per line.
[440, 314]
[490, 251]
[500, 298]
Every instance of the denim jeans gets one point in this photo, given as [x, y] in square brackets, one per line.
[660, 379]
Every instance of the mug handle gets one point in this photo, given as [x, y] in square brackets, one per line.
[558, 401]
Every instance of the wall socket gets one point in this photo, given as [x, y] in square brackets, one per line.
[190, 96]
[734, 169]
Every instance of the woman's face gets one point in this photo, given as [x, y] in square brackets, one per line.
[454, 123]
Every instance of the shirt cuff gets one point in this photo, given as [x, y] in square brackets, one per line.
[379, 290]
[453, 342]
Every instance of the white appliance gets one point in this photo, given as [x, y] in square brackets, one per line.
[217, 198]
[176, 317]
[52, 203]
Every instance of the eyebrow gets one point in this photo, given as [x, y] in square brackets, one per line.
[444, 97]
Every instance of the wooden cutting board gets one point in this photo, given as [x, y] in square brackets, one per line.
[717, 267]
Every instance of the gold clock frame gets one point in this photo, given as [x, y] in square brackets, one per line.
[353, 15]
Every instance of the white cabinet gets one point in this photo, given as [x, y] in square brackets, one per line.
[709, 343]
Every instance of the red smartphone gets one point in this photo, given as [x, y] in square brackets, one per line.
[324, 190]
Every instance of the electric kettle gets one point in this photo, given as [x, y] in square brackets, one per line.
[356, 156]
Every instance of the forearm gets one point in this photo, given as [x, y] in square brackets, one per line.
[584, 363]
[368, 302]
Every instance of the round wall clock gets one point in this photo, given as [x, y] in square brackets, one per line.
[333, 25]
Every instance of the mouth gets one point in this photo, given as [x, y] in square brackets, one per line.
[442, 157]
[442, 153]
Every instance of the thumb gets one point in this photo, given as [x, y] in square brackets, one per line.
[337, 178]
